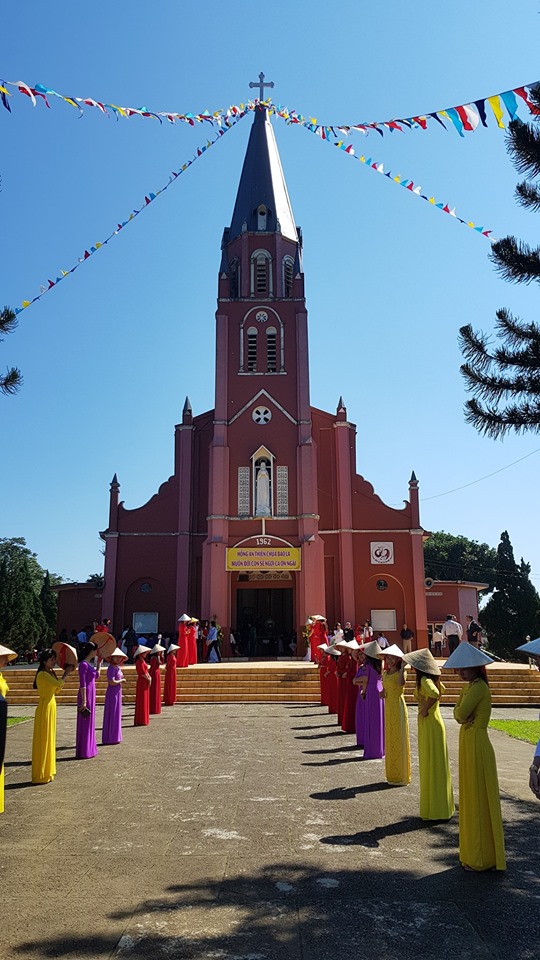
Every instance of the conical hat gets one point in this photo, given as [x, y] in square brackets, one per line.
[353, 644]
[185, 618]
[317, 616]
[466, 656]
[332, 650]
[172, 648]
[423, 660]
[11, 655]
[105, 642]
[141, 649]
[393, 651]
[66, 655]
[532, 647]
[117, 652]
[322, 646]
[372, 649]
[157, 648]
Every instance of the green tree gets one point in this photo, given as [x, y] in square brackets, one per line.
[448, 557]
[49, 606]
[23, 621]
[513, 612]
[11, 380]
[504, 377]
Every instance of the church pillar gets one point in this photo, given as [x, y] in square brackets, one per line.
[111, 555]
[417, 551]
[184, 476]
[343, 439]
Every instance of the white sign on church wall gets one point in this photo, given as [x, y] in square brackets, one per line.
[381, 551]
[383, 620]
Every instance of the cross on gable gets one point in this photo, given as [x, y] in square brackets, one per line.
[261, 85]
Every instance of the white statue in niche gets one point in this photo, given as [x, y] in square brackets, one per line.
[262, 491]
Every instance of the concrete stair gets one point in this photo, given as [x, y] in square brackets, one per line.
[274, 682]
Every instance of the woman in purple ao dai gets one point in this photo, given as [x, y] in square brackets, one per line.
[85, 742]
[360, 702]
[371, 691]
[112, 713]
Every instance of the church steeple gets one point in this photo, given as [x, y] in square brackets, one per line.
[262, 202]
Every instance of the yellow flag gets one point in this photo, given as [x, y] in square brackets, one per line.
[26, 303]
[495, 105]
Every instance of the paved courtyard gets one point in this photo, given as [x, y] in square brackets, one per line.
[252, 832]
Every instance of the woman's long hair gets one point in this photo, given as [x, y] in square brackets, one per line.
[85, 649]
[430, 676]
[43, 657]
[375, 663]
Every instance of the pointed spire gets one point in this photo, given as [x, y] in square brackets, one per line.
[413, 480]
[187, 412]
[341, 405]
[114, 482]
[262, 201]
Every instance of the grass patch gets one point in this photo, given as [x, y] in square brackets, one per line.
[13, 720]
[528, 730]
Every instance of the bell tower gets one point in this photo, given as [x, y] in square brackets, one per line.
[263, 468]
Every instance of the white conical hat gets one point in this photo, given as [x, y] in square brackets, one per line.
[184, 618]
[157, 648]
[532, 646]
[332, 649]
[372, 649]
[353, 644]
[6, 652]
[317, 616]
[141, 649]
[423, 660]
[466, 656]
[173, 647]
[117, 652]
[393, 651]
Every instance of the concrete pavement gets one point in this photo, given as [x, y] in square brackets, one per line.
[252, 832]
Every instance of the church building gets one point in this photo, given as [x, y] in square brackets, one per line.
[265, 520]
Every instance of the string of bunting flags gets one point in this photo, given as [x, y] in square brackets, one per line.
[407, 183]
[464, 118]
[148, 199]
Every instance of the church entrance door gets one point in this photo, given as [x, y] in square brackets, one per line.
[264, 620]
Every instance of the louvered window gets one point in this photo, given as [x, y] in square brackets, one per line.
[261, 276]
[252, 349]
[235, 279]
[271, 350]
[288, 267]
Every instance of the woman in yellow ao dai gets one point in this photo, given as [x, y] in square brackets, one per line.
[396, 719]
[44, 739]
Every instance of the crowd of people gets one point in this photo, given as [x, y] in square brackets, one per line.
[363, 683]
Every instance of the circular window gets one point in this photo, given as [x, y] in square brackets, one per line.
[146, 587]
[261, 316]
[262, 415]
[382, 584]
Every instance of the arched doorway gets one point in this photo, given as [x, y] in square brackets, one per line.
[264, 611]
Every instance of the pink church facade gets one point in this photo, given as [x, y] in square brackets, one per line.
[265, 519]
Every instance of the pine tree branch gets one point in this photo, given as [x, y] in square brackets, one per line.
[528, 196]
[11, 381]
[514, 330]
[496, 423]
[515, 260]
[8, 321]
[474, 347]
[523, 145]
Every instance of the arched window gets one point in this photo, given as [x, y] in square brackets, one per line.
[234, 275]
[261, 274]
[271, 349]
[252, 349]
[261, 217]
[288, 268]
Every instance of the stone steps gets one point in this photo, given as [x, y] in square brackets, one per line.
[273, 682]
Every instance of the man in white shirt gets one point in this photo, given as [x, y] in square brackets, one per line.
[452, 631]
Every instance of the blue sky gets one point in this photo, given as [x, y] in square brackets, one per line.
[109, 356]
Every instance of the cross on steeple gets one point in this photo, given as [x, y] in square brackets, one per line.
[261, 85]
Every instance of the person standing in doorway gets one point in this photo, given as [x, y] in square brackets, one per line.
[452, 631]
[407, 637]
